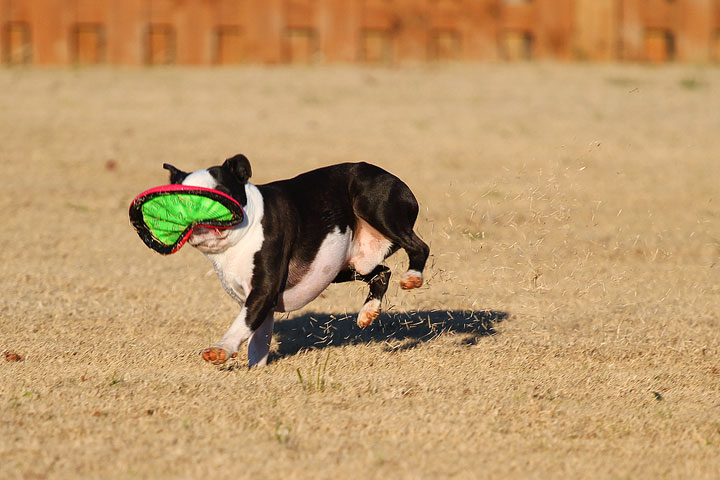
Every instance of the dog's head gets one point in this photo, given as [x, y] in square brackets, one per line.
[229, 178]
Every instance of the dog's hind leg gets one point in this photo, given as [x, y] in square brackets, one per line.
[389, 206]
[418, 252]
[378, 281]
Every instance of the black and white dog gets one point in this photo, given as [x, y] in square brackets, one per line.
[333, 224]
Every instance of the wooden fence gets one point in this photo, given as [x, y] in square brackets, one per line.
[205, 32]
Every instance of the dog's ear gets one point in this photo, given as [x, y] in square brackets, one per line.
[176, 176]
[239, 166]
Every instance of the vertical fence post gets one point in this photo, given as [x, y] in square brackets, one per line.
[596, 30]
[339, 22]
[695, 36]
[265, 27]
[127, 26]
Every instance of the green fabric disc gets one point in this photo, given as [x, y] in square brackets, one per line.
[168, 216]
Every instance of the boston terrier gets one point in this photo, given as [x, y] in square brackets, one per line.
[333, 224]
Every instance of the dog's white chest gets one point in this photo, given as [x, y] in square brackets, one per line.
[330, 259]
[235, 265]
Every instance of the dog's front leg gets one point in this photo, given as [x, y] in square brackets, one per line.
[259, 345]
[255, 322]
[260, 307]
[228, 345]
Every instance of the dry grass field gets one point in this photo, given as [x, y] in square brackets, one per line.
[569, 325]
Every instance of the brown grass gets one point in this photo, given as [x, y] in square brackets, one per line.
[569, 327]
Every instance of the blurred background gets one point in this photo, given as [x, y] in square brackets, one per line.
[221, 32]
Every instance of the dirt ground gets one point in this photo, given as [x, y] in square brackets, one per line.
[569, 325]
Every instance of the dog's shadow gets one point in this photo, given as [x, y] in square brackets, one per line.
[397, 330]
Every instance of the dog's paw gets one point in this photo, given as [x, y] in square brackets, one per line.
[368, 313]
[216, 355]
[412, 279]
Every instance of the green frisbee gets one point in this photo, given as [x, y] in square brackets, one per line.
[164, 217]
